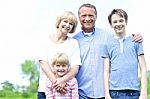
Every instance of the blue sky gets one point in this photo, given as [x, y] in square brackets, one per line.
[25, 23]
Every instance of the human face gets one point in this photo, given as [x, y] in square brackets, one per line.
[118, 24]
[65, 26]
[87, 18]
[60, 69]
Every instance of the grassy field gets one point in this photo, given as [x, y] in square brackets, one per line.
[17, 98]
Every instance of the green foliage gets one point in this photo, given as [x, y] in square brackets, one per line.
[30, 70]
[148, 87]
[2, 93]
[10, 91]
[5, 94]
[26, 94]
[8, 86]
[148, 82]
[148, 75]
[33, 87]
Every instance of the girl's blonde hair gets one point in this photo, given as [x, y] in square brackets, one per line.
[70, 16]
[60, 58]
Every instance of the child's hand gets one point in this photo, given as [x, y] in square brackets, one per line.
[63, 89]
[60, 86]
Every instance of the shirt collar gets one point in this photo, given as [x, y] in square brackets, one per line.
[88, 33]
[120, 39]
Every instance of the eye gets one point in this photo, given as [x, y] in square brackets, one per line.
[121, 20]
[65, 21]
[114, 21]
[91, 16]
[71, 23]
[83, 16]
[64, 65]
[58, 65]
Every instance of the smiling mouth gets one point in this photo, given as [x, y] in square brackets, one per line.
[119, 27]
[60, 70]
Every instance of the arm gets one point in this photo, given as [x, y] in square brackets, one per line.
[106, 78]
[47, 70]
[143, 71]
[73, 71]
[137, 37]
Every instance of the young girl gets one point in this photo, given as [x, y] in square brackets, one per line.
[60, 66]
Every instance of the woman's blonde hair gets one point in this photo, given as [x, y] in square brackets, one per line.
[60, 58]
[70, 16]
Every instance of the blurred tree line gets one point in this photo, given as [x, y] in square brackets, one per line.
[31, 73]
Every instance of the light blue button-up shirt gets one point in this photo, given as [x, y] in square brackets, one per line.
[124, 65]
[90, 75]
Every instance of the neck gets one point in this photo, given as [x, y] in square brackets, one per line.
[87, 30]
[121, 35]
[58, 37]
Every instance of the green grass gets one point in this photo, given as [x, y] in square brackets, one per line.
[148, 96]
[17, 98]
[32, 96]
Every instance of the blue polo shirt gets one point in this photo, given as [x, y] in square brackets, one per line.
[123, 55]
[90, 75]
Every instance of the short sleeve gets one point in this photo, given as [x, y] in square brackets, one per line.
[139, 49]
[105, 53]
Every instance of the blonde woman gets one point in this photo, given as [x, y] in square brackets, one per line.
[59, 42]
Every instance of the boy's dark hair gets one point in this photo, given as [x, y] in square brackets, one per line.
[120, 12]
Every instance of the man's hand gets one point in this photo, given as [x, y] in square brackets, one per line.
[137, 37]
